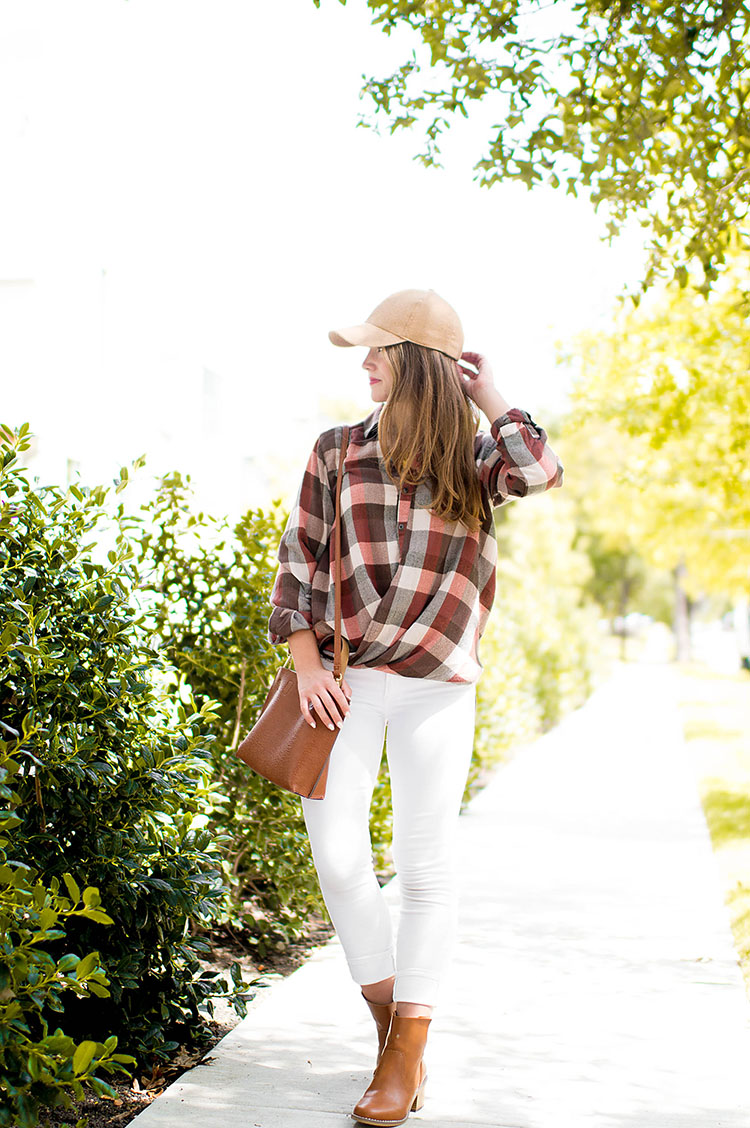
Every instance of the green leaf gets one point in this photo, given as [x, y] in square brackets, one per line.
[95, 914]
[87, 965]
[73, 891]
[47, 918]
[91, 897]
[102, 1088]
[83, 1057]
[97, 989]
[60, 1044]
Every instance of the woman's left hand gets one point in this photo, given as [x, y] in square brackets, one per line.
[476, 384]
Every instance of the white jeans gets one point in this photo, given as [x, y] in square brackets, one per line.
[430, 734]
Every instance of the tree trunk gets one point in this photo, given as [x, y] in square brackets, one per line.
[626, 586]
[681, 622]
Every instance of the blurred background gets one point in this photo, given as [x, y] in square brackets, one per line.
[188, 206]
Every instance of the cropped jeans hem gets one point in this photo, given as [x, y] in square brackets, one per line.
[413, 987]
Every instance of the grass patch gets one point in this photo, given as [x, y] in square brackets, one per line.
[715, 714]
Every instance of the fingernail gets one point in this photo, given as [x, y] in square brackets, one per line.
[312, 724]
[331, 727]
[339, 723]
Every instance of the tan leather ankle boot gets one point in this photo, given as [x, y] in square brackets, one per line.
[382, 1013]
[397, 1086]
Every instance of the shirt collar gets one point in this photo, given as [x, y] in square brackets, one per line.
[370, 425]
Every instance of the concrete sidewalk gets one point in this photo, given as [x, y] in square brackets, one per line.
[595, 984]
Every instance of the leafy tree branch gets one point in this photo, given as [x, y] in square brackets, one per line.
[642, 103]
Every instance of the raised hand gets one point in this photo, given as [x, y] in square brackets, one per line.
[479, 384]
[478, 379]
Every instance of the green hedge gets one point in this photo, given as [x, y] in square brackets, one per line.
[114, 772]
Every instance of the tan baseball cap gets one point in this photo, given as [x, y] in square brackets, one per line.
[420, 316]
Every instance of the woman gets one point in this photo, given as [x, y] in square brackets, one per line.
[419, 558]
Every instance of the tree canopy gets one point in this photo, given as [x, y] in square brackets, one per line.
[664, 396]
[644, 103]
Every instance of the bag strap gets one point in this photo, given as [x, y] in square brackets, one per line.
[339, 644]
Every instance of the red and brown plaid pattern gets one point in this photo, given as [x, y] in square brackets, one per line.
[416, 589]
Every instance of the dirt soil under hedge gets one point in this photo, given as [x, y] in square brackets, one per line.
[134, 1094]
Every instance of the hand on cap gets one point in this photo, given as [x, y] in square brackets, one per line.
[476, 384]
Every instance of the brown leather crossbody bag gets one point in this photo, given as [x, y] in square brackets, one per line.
[281, 746]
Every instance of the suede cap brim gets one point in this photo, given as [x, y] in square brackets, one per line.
[369, 335]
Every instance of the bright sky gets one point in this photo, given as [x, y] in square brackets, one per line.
[187, 208]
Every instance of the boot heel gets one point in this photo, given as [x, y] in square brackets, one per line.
[419, 1098]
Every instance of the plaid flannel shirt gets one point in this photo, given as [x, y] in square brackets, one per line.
[416, 590]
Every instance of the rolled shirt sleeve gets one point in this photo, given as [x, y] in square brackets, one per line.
[303, 542]
[515, 459]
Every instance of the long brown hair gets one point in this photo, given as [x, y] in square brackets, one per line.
[427, 429]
